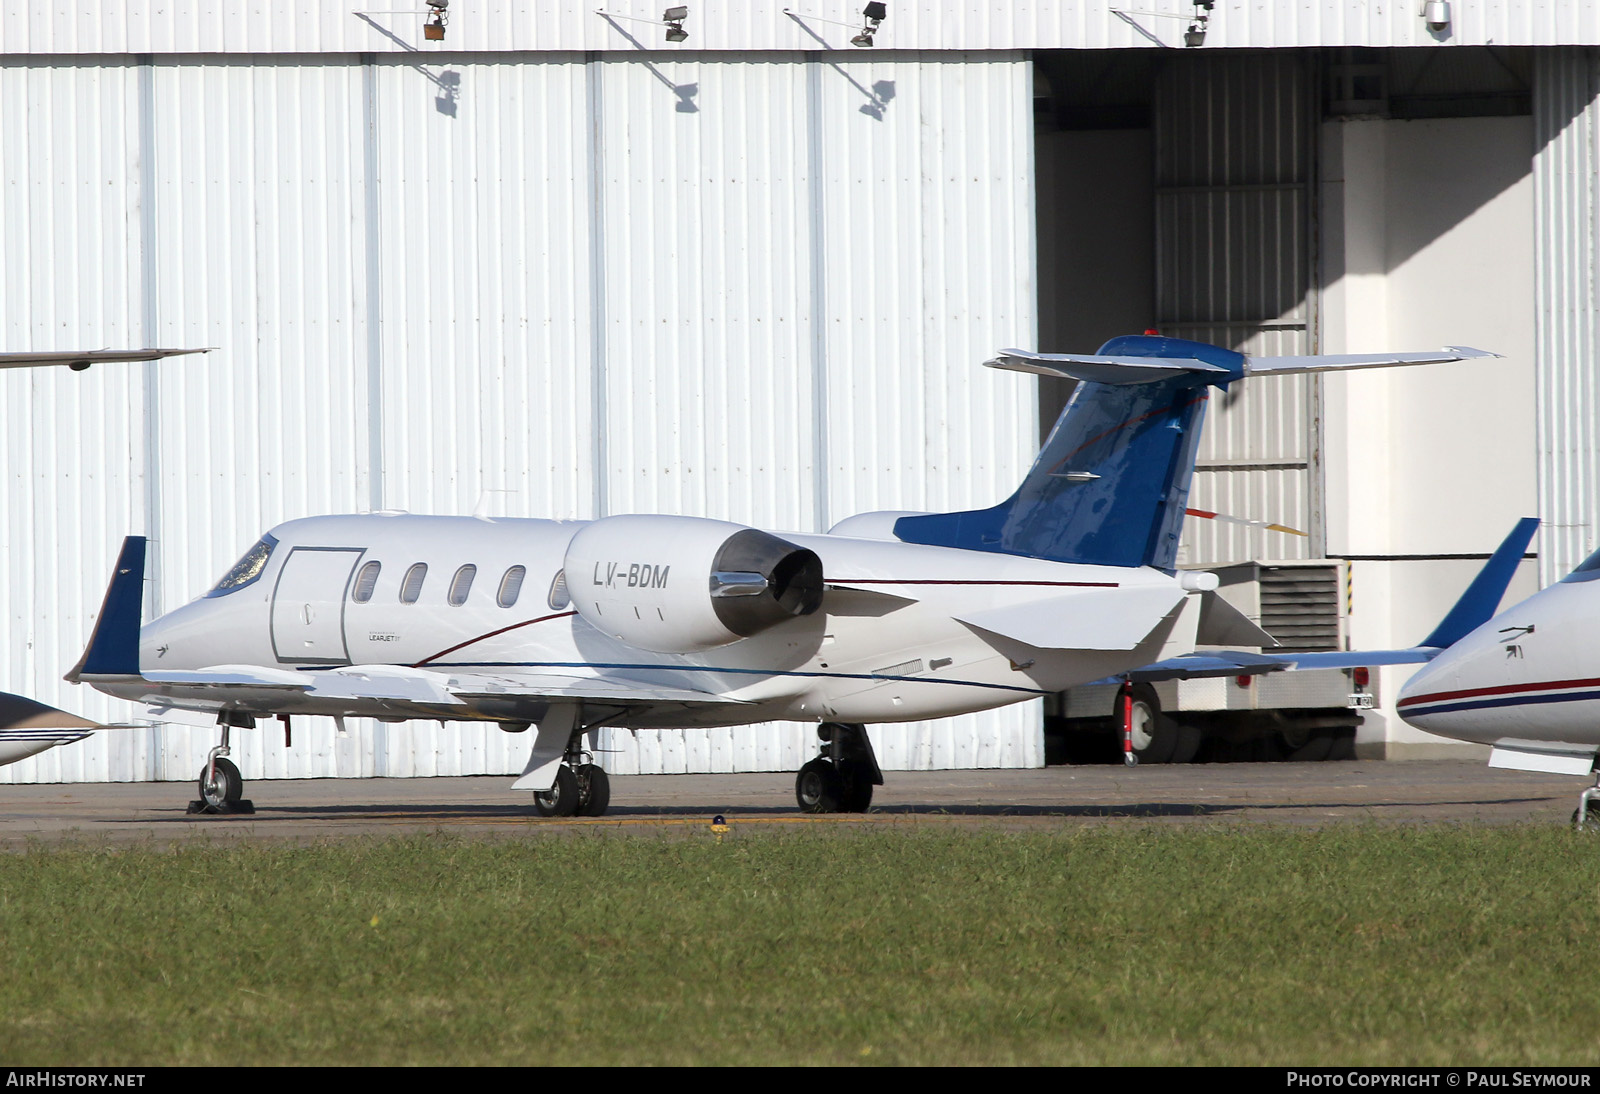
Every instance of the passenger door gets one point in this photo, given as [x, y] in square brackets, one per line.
[308, 605]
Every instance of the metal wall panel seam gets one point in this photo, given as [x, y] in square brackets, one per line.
[599, 452]
[1031, 235]
[1566, 311]
[822, 516]
[372, 217]
[149, 239]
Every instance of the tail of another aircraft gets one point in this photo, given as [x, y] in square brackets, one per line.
[1111, 483]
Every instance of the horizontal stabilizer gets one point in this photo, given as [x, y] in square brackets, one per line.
[1094, 619]
[1339, 362]
[1103, 370]
[1553, 757]
[80, 360]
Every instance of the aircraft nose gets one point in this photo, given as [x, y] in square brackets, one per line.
[1439, 677]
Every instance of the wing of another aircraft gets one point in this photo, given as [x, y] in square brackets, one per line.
[1475, 607]
[77, 361]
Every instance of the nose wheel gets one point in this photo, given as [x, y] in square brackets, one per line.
[221, 785]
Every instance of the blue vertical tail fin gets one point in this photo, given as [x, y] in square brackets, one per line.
[1111, 483]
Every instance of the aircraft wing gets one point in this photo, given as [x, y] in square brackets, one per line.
[608, 690]
[1098, 369]
[28, 728]
[398, 690]
[77, 361]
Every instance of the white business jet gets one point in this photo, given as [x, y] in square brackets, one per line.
[1526, 682]
[663, 621]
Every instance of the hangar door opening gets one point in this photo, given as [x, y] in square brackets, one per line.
[1176, 191]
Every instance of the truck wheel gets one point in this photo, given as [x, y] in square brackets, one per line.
[1315, 747]
[1155, 736]
[1188, 743]
[1343, 744]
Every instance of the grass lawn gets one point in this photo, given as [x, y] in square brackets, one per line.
[1119, 944]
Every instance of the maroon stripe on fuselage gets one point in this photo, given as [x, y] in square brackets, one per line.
[1502, 689]
[491, 634]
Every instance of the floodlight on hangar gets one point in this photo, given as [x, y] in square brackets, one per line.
[672, 19]
[874, 13]
[433, 28]
[1195, 36]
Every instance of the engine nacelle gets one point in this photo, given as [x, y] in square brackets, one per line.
[683, 584]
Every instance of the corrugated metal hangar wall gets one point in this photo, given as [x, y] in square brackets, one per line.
[749, 286]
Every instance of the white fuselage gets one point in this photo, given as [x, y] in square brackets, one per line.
[883, 647]
[1531, 673]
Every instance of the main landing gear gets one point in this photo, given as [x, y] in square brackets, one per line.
[221, 785]
[842, 778]
[581, 790]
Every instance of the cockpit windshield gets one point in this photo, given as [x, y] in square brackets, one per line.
[247, 569]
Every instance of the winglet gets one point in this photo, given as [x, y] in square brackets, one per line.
[1478, 604]
[113, 648]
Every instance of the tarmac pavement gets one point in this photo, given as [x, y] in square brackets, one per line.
[1395, 792]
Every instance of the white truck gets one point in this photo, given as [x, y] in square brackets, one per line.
[1310, 715]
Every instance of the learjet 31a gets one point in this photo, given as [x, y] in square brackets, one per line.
[665, 621]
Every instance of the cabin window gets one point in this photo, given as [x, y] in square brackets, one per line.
[511, 586]
[560, 599]
[247, 569]
[366, 581]
[411, 587]
[461, 585]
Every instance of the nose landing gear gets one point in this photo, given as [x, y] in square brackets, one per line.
[221, 785]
